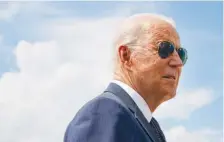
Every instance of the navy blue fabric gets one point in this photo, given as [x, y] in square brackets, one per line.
[106, 120]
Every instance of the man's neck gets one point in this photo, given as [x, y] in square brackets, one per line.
[152, 101]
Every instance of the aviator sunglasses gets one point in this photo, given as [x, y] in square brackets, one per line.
[165, 49]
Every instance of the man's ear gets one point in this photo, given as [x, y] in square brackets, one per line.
[125, 56]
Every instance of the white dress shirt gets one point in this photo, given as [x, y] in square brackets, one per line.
[140, 102]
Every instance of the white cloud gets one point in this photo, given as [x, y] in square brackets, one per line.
[45, 94]
[180, 133]
[184, 104]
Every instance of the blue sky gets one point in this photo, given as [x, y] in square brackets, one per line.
[198, 23]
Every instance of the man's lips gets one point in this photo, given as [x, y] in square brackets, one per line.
[169, 77]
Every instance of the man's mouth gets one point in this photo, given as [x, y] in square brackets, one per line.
[169, 77]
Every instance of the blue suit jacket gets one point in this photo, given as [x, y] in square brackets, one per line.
[110, 117]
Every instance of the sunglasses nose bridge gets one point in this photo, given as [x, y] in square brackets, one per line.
[175, 53]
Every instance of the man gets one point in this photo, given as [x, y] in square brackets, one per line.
[148, 65]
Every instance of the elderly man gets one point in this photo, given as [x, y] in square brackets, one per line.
[148, 65]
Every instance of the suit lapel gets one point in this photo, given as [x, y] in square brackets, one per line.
[127, 100]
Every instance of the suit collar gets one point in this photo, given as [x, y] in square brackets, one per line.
[123, 95]
[137, 98]
[127, 100]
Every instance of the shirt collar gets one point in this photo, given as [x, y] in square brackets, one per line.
[140, 102]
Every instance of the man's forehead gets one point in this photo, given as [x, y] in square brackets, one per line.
[164, 32]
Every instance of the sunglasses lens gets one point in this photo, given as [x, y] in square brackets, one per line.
[183, 54]
[165, 49]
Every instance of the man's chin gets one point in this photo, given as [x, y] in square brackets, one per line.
[169, 95]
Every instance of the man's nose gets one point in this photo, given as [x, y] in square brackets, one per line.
[175, 60]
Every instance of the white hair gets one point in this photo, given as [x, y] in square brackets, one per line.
[134, 27]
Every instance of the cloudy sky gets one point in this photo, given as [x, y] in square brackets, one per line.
[54, 57]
